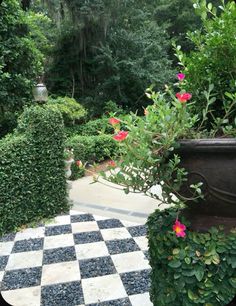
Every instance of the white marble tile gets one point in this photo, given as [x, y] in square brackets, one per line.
[115, 233]
[6, 248]
[30, 233]
[142, 242]
[58, 241]
[90, 250]
[129, 223]
[25, 260]
[131, 261]
[88, 226]
[60, 273]
[140, 299]
[76, 212]
[98, 217]
[1, 275]
[59, 220]
[23, 297]
[103, 288]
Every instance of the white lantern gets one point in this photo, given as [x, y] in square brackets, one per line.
[40, 93]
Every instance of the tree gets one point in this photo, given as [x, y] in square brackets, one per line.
[109, 50]
[20, 62]
[179, 18]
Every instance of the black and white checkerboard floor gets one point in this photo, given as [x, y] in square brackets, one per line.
[79, 259]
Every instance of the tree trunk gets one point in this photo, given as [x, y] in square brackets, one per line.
[25, 4]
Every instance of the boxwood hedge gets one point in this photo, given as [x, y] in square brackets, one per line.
[199, 269]
[32, 175]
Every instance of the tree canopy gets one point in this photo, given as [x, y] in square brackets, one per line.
[109, 50]
[20, 60]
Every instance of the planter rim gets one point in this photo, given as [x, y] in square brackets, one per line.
[208, 145]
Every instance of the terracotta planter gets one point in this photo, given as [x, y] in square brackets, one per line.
[213, 162]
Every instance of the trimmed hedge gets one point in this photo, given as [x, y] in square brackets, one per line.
[32, 174]
[199, 269]
[70, 109]
[90, 149]
[91, 128]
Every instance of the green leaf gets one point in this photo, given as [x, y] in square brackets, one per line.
[187, 260]
[199, 274]
[192, 296]
[174, 264]
[209, 6]
[216, 259]
[175, 251]
[233, 282]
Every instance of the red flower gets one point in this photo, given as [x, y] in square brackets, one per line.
[121, 135]
[179, 229]
[79, 163]
[180, 76]
[184, 97]
[112, 163]
[114, 121]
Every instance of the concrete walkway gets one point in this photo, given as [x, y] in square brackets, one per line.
[110, 200]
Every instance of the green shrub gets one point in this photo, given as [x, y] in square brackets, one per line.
[90, 149]
[32, 174]
[199, 269]
[76, 172]
[112, 107]
[71, 110]
[94, 127]
[91, 128]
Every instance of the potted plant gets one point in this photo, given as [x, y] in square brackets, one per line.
[185, 144]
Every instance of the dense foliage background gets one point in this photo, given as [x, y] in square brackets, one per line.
[20, 61]
[99, 52]
[94, 51]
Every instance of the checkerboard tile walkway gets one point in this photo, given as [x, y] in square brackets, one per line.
[78, 260]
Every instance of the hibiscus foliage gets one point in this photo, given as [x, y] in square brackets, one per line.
[145, 157]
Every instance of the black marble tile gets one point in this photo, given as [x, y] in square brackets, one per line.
[87, 237]
[58, 230]
[119, 302]
[81, 218]
[63, 294]
[28, 245]
[109, 223]
[7, 237]
[96, 267]
[3, 262]
[122, 246]
[136, 231]
[136, 282]
[146, 255]
[59, 255]
[21, 278]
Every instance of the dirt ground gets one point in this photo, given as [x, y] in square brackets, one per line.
[100, 167]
